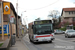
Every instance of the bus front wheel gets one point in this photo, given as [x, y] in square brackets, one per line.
[50, 41]
[30, 39]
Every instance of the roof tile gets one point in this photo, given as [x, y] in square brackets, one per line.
[68, 9]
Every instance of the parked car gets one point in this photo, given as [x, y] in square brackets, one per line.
[68, 30]
[63, 31]
[58, 31]
[69, 33]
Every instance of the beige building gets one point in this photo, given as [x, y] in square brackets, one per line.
[6, 21]
[20, 26]
[24, 29]
[68, 15]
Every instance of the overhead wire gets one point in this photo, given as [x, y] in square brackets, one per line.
[41, 7]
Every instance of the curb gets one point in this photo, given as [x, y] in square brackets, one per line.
[24, 44]
[5, 45]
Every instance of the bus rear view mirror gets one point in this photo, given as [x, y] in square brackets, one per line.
[32, 26]
[50, 30]
[53, 24]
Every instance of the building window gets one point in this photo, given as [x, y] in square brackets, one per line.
[66, 18]
[73, 18]
[74, 12]
[71, 12]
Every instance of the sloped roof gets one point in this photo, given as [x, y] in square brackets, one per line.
[69, 9]
[13, 9]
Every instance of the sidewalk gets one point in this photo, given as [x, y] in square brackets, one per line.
[18, 45]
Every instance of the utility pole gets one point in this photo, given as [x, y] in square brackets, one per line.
[23, 18]
[2, 21]
[17, 18]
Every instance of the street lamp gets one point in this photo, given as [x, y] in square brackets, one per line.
[22, 12]
[21, 17]
[24, 21]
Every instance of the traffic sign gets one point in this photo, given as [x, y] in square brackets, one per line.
[11, 19]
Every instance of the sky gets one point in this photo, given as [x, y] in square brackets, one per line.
[33, 9]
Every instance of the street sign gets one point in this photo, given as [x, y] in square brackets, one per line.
[6, 7]
[11, 19]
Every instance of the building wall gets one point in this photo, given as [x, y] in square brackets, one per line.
[67, 14]
[68, 20]
[61, 18]
[24, 29]
[13, 25]
[6, 19]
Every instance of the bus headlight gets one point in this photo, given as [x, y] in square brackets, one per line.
[52, 35]
[35, 38]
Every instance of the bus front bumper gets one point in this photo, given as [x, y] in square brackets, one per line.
[52, 38]
[37, 40]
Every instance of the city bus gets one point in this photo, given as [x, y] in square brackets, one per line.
[41, 30]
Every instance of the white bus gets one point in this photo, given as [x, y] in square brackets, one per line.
[41, 30]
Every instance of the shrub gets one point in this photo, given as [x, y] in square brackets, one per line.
[1, 44]
[63, 29]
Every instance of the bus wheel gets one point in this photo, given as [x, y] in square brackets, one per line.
[50, 41]
[30, 40]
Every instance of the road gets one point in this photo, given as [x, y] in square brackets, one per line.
[60, 43]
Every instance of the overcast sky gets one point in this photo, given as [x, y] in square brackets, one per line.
[39, 8]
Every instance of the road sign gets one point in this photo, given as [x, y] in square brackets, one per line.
[11, 19]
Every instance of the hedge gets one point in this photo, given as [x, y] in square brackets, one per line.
[64, 28]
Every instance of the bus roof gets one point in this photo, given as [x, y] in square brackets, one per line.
[42, 20]
[39, 20]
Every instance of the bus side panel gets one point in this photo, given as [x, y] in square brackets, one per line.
[30, 31]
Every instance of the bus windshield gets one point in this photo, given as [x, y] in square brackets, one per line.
[43, 29]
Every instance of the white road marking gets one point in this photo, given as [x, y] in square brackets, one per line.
[72, 40]
[27, 39]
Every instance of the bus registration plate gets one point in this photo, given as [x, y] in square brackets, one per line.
[44, 40]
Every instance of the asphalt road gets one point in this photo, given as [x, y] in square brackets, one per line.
[60, 43]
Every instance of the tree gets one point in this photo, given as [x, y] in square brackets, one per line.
[53, 13]
[57, 25]
[38, 18]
